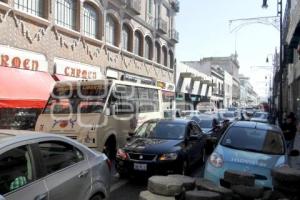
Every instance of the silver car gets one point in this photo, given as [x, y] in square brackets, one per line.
[40, 166]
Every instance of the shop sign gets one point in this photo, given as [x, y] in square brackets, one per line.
[22, 59]
[165, 85]
[76, 69]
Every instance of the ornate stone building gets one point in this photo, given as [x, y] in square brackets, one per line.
[67, 39]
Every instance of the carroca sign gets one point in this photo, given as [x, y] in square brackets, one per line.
[21, 59]
[77, 70]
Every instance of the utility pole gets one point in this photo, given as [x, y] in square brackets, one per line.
[280, 73]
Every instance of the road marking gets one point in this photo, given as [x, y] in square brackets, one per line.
[118, 185]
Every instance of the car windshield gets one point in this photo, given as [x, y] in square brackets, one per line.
[249, 139]
[161, 130]
[260, 115]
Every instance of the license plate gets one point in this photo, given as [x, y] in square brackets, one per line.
[140, 167]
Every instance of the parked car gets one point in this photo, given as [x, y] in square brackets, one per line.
[227, 115]
[188, 113]
[250, 147]
[162, 147]
[260, 117]
[208, 123]
[45, 166]
[172, 114]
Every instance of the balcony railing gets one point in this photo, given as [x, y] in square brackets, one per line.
[162, 25]
[174, 35]
[134, 6]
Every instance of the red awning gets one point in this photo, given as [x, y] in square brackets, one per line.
[23, 88]
[59, 77]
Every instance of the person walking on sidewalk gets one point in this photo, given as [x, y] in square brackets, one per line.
[289, 129]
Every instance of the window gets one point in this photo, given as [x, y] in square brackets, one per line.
[148, 100]
[110, 29]
[35, 7]
[15, 169]
[126, 38]
[138, 49]
[59, 155]
[148, 48]
[150, 7]
[157, 52]
[65, 13]
[171, 59]
[90, 21]
[165, 56]
[125, 99]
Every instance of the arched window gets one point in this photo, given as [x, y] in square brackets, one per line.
[90, 20]
[165, 56]
[126, 38]
[157, 52]
[148, 48]
[65, 13]
[110, 29]
[138, 48]
[34, 7]
[171, 57]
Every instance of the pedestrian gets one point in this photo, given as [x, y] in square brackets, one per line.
[289, 129]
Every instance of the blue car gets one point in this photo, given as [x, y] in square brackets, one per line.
[250, 147]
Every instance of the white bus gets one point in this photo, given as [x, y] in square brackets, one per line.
[99, 113]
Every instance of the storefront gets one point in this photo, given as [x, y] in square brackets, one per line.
[71, 70]
[168, 94]
[25, 85]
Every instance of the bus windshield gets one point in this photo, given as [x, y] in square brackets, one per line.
[69, 99]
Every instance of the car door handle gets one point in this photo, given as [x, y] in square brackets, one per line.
[41, 197]
[83, 174]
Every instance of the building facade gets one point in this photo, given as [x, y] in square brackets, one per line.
[86, 39]
[287, 73]
[248, 97]
[192, 87]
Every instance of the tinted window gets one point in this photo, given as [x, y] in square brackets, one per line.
[249, 139]
[164, 130]
[15, 169]
[59, 155]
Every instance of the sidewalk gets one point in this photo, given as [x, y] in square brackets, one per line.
[295, 161]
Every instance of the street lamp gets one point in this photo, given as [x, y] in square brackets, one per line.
[280, 103]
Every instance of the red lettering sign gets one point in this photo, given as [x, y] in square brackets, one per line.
[26, 64]
[67, 71]
[35, 65]
[4, 60]
[16, 62]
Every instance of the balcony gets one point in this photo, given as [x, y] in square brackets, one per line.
[291, 22]
[134, 6]
[174, 35]
[162, 25]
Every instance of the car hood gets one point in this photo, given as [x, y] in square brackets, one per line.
[250, 159]
[153, 146]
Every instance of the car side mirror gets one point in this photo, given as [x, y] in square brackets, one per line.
[294, 153]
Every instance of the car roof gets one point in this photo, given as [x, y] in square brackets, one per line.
[12, 136]
[256, 125]
[175, 121]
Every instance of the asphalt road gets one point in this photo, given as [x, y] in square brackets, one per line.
[124, 189]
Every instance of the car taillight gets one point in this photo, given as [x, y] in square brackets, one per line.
[109, 164]
[122, 155]
[216, 160]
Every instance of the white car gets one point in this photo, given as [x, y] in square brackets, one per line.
[47, 166]
[189, 113]
[260, 117]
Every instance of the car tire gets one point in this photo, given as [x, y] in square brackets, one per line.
[96, 197]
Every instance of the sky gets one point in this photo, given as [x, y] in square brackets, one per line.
[204, 31]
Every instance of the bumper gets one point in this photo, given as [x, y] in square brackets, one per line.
[216, 175]
[128, 167]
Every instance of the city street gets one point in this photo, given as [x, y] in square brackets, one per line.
[124, 189]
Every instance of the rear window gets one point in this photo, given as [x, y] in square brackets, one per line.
[249, 139]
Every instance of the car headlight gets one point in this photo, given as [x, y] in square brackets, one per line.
[168, 156]
[216, 160]
[122, 154]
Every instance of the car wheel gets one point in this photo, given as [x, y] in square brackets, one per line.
[96, 197]
[185, 168]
